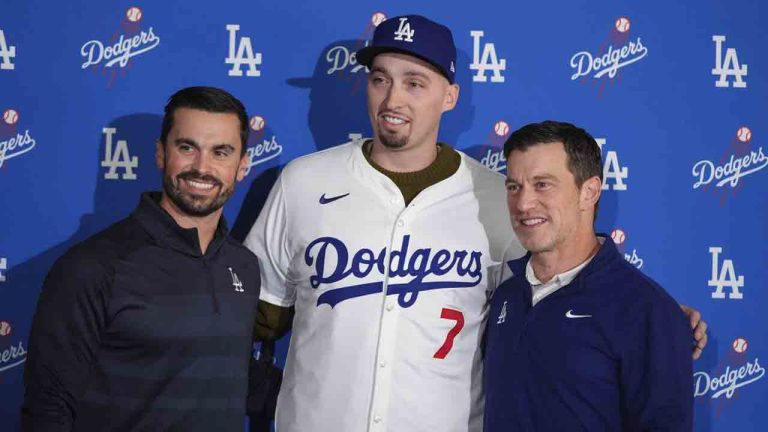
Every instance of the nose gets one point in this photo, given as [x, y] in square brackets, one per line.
[394, 99]
[202, 162]
[522, 200]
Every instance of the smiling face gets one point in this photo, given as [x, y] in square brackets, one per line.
[201, 162]
[406, 97]
[549, 212]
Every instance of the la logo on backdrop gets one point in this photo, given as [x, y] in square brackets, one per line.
[7, 53]
[13, 142]
[725, 177]
[618, 51]
[728, 66]
[114, 56]
[737, 371]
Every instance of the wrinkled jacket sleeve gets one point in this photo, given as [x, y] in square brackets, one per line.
[64, 340]
[656, 370]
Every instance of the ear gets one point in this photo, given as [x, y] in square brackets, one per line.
[242, 167]
[451, 97]
[160, 154]
[590, 193]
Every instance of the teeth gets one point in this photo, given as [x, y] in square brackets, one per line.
[394, 120]
[529, 222]
[198, 185]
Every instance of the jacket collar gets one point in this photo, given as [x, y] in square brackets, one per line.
[167, 233]
[604, 256]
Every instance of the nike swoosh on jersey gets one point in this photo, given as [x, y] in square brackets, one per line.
[324, 200]
[570, 314]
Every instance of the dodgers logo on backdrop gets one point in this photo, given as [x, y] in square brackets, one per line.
[492, 151]
[619, 238]
[13, 143]
[724, 276]
[728, 66]
[737, 371]
[125, 44]
[410, 272]
[12, 355]
[487, 60]
[3, 267]
[613, 172]
[739, 160]
[342, 60]
[616, 53]
[259, 149]
[118, 157]
[7, 53]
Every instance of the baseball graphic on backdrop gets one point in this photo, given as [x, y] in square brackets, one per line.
[501, 128]
[618, 236]
[378, 18]
[622, 24]
[133, 14]
[257, 123]
[10, 116]
[740, 345]
[744, 134]
[5, 328]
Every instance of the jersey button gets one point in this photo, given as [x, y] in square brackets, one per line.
[377, 419]
[400, 223]
[382, 363]
[390, 306]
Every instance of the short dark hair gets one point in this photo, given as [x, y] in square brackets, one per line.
[208, 99]
[584, 160]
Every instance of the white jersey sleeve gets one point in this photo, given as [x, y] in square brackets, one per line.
[268, 240]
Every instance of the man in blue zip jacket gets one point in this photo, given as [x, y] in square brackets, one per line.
[578, 339]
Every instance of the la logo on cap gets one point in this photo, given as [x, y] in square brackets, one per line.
[404, 32]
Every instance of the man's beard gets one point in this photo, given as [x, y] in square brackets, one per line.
[393, 141]
[195, 205]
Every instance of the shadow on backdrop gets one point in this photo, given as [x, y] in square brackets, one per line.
[113, 200]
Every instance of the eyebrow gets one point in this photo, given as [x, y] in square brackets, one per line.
[409, 73]
[535, 178]
[189, 141]
[193, 143]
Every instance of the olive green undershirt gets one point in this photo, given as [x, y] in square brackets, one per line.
[273, 321]
[411, 183]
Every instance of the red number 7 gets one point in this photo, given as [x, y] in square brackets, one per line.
[452, 315]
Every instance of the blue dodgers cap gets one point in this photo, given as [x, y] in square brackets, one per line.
[417, 36]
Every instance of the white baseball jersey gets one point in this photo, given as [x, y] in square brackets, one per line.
[334, 236]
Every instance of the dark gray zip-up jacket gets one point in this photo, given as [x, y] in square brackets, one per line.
[137, 330]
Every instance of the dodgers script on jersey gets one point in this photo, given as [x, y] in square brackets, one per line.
[390, 300]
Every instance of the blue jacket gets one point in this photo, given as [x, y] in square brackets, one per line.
[609, 351]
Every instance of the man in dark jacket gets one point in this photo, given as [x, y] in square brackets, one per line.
[578, 339]
[148, 324]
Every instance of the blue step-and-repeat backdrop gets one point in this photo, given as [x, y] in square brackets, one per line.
[676, 92]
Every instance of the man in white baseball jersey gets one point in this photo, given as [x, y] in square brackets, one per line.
[389, 249]
[401, 215]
